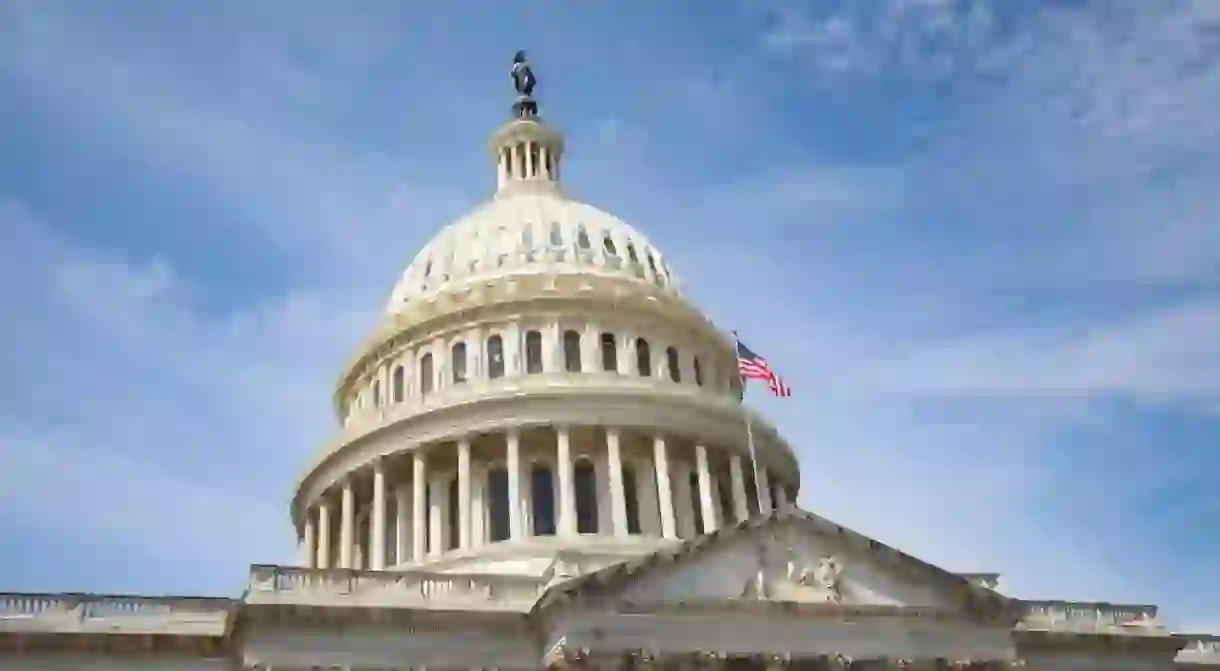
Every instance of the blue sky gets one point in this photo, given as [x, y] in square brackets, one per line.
[982, 244]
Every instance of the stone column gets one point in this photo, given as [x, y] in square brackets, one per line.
[402, 523]
[478, 506]
[764, 491]
[741, 506]
[463, 478]
[706, 502]
[665, 495]
[438, 499]
[516, 529]
[567, 488]
[618, 498]
[323, 535]
[311, 540]
[514, 350]
[347, 524]
[590, 345]
[419, 485]
[376, 560]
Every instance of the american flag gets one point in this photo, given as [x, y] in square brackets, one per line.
[753, 367]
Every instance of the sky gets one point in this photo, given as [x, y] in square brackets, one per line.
[981, 241]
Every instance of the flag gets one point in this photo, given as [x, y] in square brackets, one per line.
[753, 367]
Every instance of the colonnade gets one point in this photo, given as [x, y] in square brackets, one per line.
[562, 481]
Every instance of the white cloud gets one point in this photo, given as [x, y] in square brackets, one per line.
[1168, 355]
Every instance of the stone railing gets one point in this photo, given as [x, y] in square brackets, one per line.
[391, 589]
[86, 613]
[1202, 649]
[1089, 617]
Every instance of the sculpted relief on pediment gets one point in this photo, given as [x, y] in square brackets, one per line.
[816, 580]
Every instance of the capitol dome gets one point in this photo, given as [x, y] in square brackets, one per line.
[539, 398]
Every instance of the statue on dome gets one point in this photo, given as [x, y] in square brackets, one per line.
[524, 82]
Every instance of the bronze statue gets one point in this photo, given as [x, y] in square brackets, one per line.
[523, 75]
[523, 82]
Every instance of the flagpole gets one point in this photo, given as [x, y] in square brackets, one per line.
[745, 413]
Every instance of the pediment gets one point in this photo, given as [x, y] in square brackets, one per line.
[793, 557]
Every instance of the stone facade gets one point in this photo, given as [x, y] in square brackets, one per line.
[543, 461]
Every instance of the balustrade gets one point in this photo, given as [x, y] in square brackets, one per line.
[411, 587]
[1087, 617]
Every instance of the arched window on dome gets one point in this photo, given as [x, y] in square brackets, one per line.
[533, 352]
[631, 496]
[376, 393]
[652, 265]
[727, 511]
[497, 505]
[643, 358]
[698, 369]
[696, 503]
[571, 351]
[609, 353]
[495, 357]
[428, 269]
[556, 234]
[453, 528]
[458, 356]
[584, 481]
[425, 374]
[542, 494]
[582, 238]
[674, 365]
[396, 384]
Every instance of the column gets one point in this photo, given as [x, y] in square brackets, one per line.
[419, 490]
[618, 499]
[402, 523]
[323, 535]
[706, 501]
[347, 524]
[516, 530]
[463, 478]
[567, 488]
[438, 527]
[741, 506]
[665, 495]
[478, 507]
[591, 346]
[764, 491]
[781, 493]
[514, 350]
[376, 561]
[311, 540]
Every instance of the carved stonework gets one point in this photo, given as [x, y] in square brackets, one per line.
[827, 577]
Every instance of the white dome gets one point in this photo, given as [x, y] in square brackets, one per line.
[528, 233]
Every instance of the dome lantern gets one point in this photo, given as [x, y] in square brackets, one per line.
[526, 152]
